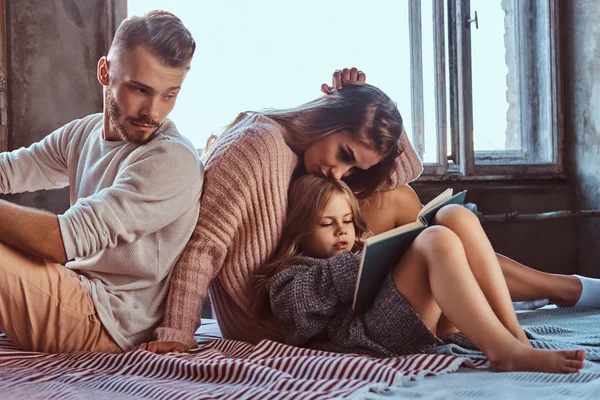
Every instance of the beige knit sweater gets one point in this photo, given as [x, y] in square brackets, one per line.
[133, 208]
[243, 206]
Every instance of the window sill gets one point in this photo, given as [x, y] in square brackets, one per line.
[505, 195]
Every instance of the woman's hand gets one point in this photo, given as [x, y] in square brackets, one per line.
[346, 75]
[163, 347]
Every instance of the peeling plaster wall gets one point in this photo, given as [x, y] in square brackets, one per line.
[581, 64]
[54, 46]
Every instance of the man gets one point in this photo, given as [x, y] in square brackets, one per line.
[135, 186]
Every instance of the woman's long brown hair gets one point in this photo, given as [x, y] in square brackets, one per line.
[362, 112]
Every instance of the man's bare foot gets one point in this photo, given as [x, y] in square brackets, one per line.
[523, 358]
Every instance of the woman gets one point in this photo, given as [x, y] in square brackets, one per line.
[243, 205]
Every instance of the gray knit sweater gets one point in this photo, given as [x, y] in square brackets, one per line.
[313, 303]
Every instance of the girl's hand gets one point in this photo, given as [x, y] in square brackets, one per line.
[338, 78]
[163, 347]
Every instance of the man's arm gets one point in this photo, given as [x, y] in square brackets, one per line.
[33, 231]
[43, 165]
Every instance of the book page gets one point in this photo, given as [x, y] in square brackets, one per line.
[439, 199]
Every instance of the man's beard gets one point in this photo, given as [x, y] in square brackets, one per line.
[114, 115]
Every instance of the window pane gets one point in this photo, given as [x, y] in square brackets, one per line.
[513, 100]
[494, 122]
[271, 53]
[429, 77]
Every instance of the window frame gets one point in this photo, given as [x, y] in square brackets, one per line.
[456, 123]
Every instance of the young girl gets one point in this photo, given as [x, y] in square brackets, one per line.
[433, 292]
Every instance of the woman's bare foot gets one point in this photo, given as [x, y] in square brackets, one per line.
[524, 358]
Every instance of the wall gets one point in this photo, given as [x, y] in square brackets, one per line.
[54, 46]
[581, 83]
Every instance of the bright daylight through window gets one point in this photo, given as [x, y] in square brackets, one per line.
[477, 94]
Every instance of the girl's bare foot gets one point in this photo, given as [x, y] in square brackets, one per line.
[521, 336]
[524, 358]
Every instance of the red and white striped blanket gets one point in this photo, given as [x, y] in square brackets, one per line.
[220, 369]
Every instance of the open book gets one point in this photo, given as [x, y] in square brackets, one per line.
[382, 252]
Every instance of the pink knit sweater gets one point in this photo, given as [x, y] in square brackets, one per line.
[242, 210]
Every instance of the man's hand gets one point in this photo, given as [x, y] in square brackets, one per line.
[346, 75]
[163, 347]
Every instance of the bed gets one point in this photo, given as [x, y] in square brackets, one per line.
[227, 369]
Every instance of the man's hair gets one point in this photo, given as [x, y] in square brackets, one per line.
[161, 32]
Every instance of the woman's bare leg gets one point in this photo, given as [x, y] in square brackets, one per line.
[525, 284]
[434, 276]
[483, 263]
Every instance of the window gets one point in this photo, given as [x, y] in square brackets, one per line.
[495, 85]
[478, 95]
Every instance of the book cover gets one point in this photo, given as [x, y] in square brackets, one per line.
[382, 252]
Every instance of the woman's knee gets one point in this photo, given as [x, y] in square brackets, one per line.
[434, 242]
[454, 215]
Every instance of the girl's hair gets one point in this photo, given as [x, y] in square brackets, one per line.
[362, 112]
[308, 196]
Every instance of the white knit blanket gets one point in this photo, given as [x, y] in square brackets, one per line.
[552, 328]
[548, 328]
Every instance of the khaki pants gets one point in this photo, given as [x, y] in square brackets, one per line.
[45, 307]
